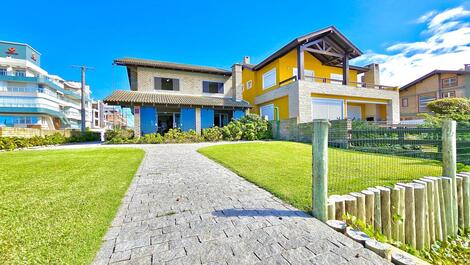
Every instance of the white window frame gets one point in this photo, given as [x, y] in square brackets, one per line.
[249, 84]
[268, 73]
[265, 106]
[308, 74]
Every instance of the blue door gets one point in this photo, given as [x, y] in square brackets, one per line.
[148, 120]
[188, 119]
[238, 114]
[207, 118]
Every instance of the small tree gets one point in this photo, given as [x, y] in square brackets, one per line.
[457, 109]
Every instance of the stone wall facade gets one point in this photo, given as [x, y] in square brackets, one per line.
[30, 132]
[190, 83]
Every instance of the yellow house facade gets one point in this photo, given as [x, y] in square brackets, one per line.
[310, 78]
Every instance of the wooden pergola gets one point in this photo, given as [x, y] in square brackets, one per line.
[330, 47]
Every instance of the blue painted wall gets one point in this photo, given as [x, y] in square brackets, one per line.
[188, 119]
[148, 120]
[207, 118]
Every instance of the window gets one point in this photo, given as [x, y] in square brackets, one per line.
[308, 74]
[20, 73]
[267, 112]
[163, 83]
[269, 78]
[3, 71]
[448, 94]
[336, 79]
[331, 109]
[404, 102]
[212, 87]
[423, 101]
[249, 84]
[449, 82]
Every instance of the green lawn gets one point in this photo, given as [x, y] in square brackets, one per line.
[56, 205]
[284, 168]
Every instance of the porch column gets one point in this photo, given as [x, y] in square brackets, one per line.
[300, 63]
[137, 121]
[346, 69]
[198, 120]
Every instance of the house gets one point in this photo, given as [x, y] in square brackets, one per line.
[31, 97]
[169, 95]
[434, 85]
[311, 78]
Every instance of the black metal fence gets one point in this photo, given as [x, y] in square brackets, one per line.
[372, 154]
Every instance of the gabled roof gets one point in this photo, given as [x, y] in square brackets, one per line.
[125, 97]
[435, 72]
[171, 66]
[331, 33]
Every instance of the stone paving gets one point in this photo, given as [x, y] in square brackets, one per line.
[183, 208]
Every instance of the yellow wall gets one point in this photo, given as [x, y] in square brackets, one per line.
[284, 70]
[281, 103]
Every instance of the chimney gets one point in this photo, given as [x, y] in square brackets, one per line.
[246, 60]
[466, 67]
[237, 82]
[372, 76]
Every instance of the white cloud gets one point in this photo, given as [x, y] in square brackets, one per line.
[446, 45]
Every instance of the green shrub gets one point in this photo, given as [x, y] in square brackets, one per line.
[212, 134]
[119, 133]
[151, 138]
[12, 143]
[457, 109]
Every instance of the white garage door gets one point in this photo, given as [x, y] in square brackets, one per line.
[331, 109]
[267, 111]
[354, 112]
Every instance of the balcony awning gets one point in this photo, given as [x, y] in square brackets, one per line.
[130, 98]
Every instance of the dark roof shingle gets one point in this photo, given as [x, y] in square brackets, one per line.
[171, 66]
[124, 97]
[426, 76]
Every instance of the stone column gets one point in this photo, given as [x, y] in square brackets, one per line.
[137, 121]
[393, 110]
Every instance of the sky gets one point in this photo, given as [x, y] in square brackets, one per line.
[408, 38]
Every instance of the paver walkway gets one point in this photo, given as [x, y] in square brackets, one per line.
[183, 208]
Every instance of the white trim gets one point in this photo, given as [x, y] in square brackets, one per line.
[366, 102]
[270, 72]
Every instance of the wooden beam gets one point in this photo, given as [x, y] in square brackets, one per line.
[346, 69]
[324, 52]
[300, 62]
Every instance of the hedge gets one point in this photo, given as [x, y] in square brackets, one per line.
[12, 143]
[250, 127]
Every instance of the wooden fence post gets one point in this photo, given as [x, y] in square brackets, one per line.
[320, 169]
[449, 165]
[459, 182]
[369, 199]
[420, 212]
[447, 190]
[385, 211]
[410, 232]
[427, 238]
[377, 210]
[431, 213]
[394, 208]
[360, 205]
[466, 200]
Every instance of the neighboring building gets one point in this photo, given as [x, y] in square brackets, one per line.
[310, 78]
[97, 120]
[169, 95]
[113, 117]
[30, 97]
[434, 85]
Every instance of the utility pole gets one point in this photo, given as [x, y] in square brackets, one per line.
[83, 69]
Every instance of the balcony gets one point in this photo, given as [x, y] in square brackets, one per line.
[324, 80]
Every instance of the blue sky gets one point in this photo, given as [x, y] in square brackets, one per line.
[219, 33]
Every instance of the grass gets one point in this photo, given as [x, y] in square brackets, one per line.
[56, 205]
[284, 168]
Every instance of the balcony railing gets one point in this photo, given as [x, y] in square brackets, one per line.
[338, 82]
